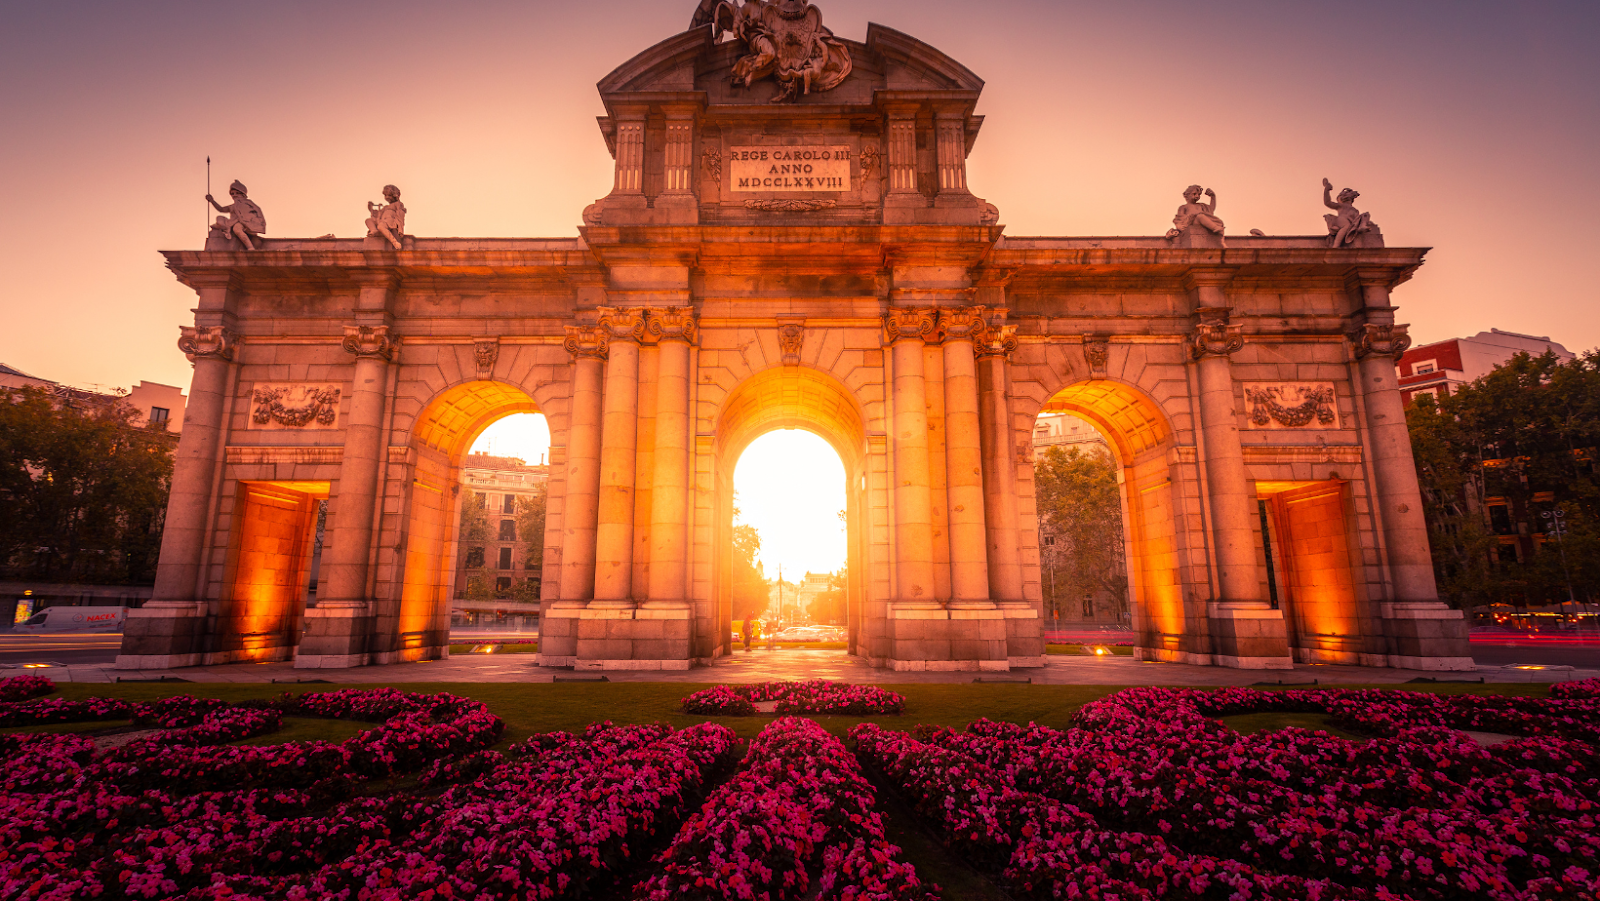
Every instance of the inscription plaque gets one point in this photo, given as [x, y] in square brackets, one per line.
[805, 168]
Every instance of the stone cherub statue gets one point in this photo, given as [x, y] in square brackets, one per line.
[244, 220]
[1194, 213]
[1346, 224]
[388, 219]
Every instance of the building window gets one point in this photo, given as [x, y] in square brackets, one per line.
[505, 558]
[510, 506]
[508, 530]
[1506, 553]
[159, 414]
[1422, 369]
[1500, 519]
[474, 556]
[1088, 605]
[502, 585]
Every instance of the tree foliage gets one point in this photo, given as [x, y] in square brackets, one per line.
[1080, 522]
[530, 528]
[1527, 433]
[84, 490]
[474, 517]
[750, 585]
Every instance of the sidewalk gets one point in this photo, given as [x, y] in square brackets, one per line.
[765, 666]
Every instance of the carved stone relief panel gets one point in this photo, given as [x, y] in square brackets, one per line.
[1290, 405]
[302, 406]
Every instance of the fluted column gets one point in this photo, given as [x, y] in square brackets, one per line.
[969, 561]
[613, 576]
[999, 465]
[588, 347]
[342, 582]
[1231, 495]
[183, 539]
[908, 331]
[674, 329]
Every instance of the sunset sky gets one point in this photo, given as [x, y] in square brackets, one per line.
[1470, 126]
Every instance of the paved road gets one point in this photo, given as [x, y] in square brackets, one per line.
[59, 648]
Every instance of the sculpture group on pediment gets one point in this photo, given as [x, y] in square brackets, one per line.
[387, 219]
[784, 40]
[244, 221]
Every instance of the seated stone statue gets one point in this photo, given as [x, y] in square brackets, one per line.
[1346, 223]
[244, 220]
[388, 219]
[1194, 213]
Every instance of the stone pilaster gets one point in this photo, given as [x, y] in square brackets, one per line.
[908, 331]
[1246, 631]
[166, 631]
[1423, 632]
[613, 576]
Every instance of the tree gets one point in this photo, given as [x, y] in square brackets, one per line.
[1080, 520]
[530, 531]
[750, 586]
[1493, 459]
[474, 517]
[830, 606]
[85, 490]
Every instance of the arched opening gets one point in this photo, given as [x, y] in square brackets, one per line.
[499, 557]
[790, 489]
[792, 397]
[441, 440]
[1087, 433]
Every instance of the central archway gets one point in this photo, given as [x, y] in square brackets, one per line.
[792, 397]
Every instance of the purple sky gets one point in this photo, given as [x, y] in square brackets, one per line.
[1467, 126]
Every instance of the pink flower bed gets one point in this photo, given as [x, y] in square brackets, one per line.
[20, 688]
[815, 696]
[1148, 797]
[797, 818]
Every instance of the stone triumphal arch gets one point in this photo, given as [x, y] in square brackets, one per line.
[790, 242]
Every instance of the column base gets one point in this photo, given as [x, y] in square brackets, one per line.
[627, 638]
[335, 637]
[162, 635]
[1249, 636]
[1427, 635]
[1024, 633]
[926, 636]
[558, 633]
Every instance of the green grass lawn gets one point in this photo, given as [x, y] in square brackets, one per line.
[1085, 649]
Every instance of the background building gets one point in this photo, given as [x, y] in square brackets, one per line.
[501, 558]
[155, 402]
[1443, 366]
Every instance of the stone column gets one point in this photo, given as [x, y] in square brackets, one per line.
[674, 328]
[1424, 633]
[613, 576]
[1246, 631]
[969, 561]
[165, 632]
[908, 332]
[588, 347]
[999, 467]
[677, 201]
[337, 629]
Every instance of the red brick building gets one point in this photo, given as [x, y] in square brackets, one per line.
[1440, 368]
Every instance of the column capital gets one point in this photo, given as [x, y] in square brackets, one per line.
[909, 324]
[997, 341]
[1380, 339]
[1213, 335]
[370, 341]
[586, 342]
[962, 324]
[622, 323]
[673, 324]
[212, 341]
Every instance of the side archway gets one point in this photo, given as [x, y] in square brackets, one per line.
[1142, 440]
[441, 436]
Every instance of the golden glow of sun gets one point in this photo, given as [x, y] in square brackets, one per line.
[524, 435]
[790, 486]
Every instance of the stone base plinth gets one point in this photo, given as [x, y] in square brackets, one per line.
[924, 636]
[159, 636]
[335, 638]
[1249, 637]
[1166, 655]
[1198, 236]
[644, 638]
[1427, 636]
[411, 655]
[558, 633]
[1024, 633]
